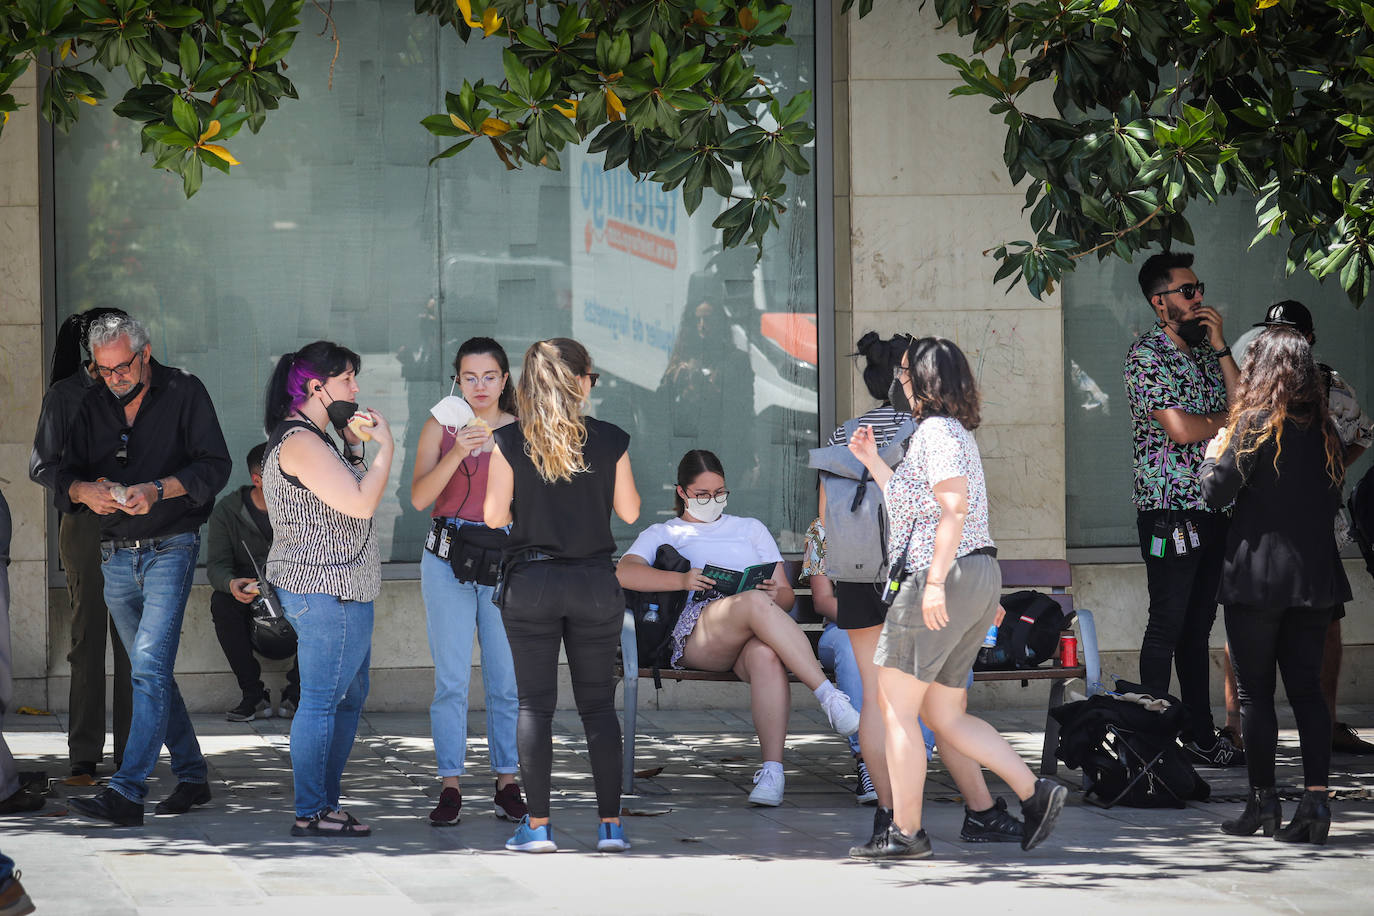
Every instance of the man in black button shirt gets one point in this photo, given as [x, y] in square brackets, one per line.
[147, 455]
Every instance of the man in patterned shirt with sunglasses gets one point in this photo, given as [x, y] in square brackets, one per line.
[1179, 377]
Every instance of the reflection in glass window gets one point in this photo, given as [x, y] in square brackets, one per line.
[1104, 312]
[335, 227]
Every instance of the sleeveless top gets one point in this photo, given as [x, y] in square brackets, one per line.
[465, 491]
[317, 550]
[565, 519]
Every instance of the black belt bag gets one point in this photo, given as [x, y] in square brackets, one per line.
[473, 551]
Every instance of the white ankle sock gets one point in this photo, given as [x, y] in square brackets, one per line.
[772, 766]
[824, 691]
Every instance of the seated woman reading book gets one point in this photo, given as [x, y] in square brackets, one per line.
[749, 633]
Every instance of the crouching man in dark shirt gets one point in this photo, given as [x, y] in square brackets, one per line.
[147, 455]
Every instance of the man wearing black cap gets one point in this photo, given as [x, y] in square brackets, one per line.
[1356, 431]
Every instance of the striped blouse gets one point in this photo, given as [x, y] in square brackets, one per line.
[317, 550]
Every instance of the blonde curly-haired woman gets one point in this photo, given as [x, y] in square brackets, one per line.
[566, 473]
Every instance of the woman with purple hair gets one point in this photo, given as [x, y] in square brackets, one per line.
[324, 563]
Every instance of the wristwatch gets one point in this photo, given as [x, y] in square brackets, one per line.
[1223, 352]
[158, 485]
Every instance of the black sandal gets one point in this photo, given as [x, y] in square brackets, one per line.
[350, 826]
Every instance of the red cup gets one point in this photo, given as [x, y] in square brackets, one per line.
[1068, 651]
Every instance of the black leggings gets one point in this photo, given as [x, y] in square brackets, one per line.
[1291, 638]
[578, 604]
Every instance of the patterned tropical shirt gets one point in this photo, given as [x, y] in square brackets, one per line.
[1158, 376]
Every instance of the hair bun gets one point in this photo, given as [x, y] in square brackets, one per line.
[868, 342]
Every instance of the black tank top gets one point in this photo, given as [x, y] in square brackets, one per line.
[565, 519]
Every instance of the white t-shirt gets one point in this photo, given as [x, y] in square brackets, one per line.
[730, 541]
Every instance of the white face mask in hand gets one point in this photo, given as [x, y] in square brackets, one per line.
[707, 513]
[453, 412]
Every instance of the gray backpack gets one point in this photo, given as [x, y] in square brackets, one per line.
[855, 517]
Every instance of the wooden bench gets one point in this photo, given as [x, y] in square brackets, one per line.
[1053, 577]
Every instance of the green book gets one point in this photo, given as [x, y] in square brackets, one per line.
[734, 581]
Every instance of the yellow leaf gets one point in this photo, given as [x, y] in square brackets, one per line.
[461, 124]
[4, 118]
[89, 100]
[1265, 4]
[614, 107]
[465, 10]
[220, 152]
[747, 19]
[67, 50]
[494, 127]
[211, 130]
[568, 109]
[490, 21]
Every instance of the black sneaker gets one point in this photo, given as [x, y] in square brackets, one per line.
[882, 819]
[899, 845]
[1041, 810]
[864, 792]
[250, 709]
[995, 825]
[1221, 754]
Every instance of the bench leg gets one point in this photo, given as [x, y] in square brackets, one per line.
[1049, 765]
[629, 654]
[1087, 636]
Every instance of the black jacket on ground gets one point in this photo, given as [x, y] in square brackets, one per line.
[1281, 545]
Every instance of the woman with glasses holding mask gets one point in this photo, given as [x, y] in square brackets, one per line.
[749, 633]
[457, 575]
[566, 473]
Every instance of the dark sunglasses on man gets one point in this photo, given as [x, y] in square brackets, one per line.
[1187, 291]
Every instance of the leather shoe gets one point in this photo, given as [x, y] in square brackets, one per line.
[183, 797]
[110, 806]
[1345, 740]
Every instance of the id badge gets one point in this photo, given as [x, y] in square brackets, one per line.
[1193, 538]
[445, 542]
[432, 539]
[1159, 540]
[1179, 539]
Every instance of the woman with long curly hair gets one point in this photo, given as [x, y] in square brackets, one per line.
[566, 473]
[1280, 460]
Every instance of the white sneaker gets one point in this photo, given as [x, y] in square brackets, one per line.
[767, 788]
[844, 718]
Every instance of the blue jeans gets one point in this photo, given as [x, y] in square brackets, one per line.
[837, 653]
[146, 591]
[333, 650]
[6, 870]
[453, 611]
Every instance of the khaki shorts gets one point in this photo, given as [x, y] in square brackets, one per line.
[944, 656]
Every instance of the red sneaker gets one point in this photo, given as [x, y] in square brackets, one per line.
[510, 804]
[450, 809]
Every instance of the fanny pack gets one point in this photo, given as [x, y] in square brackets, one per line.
[472, 551]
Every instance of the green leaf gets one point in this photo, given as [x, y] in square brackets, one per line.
[188, 55]
[185, 117]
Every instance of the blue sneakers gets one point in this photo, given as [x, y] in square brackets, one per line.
[532, 839]
[611, 838]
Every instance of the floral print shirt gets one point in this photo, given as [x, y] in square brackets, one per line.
[941, 449]
[1158, 376]
[813, 551]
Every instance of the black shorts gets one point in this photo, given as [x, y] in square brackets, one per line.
[859, 605]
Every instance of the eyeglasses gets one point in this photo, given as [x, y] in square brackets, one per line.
[595, 377]
[121, 454]
[121, 370]
[900, 372]
[1187, 290]
[702, 499]
[486, 381]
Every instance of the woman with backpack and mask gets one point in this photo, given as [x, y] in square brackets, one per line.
[938, 534]
[749, 633]
[1280, 460]
[860, 611]
[324, 562]
[457, 575]
[566, 473]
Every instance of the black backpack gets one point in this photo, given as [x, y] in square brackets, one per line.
[1129, 754]
[656, 614]
[1029, 634]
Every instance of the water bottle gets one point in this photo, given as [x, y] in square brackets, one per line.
[651, 615]
[991, 639]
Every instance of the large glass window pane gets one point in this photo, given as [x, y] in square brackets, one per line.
[334, 227]
[1104, 312]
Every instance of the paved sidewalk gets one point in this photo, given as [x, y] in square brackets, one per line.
[698, 847]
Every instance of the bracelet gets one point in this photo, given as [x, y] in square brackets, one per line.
[158, 485]
[1224, 352]
[940, 584]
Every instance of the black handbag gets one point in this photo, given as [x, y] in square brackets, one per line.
[473, 551]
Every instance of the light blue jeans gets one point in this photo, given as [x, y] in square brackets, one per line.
[453, 612]
[334, 649]
[146, 591]
[837, 653]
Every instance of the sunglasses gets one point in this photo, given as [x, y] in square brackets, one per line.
[121, 454]
[595, 377]
[1187, 290]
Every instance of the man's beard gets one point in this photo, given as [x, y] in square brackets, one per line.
[1190, 330]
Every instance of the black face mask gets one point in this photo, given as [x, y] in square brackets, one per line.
[340, 412]
[896, 394]
[127, 399]
[1191, 331]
